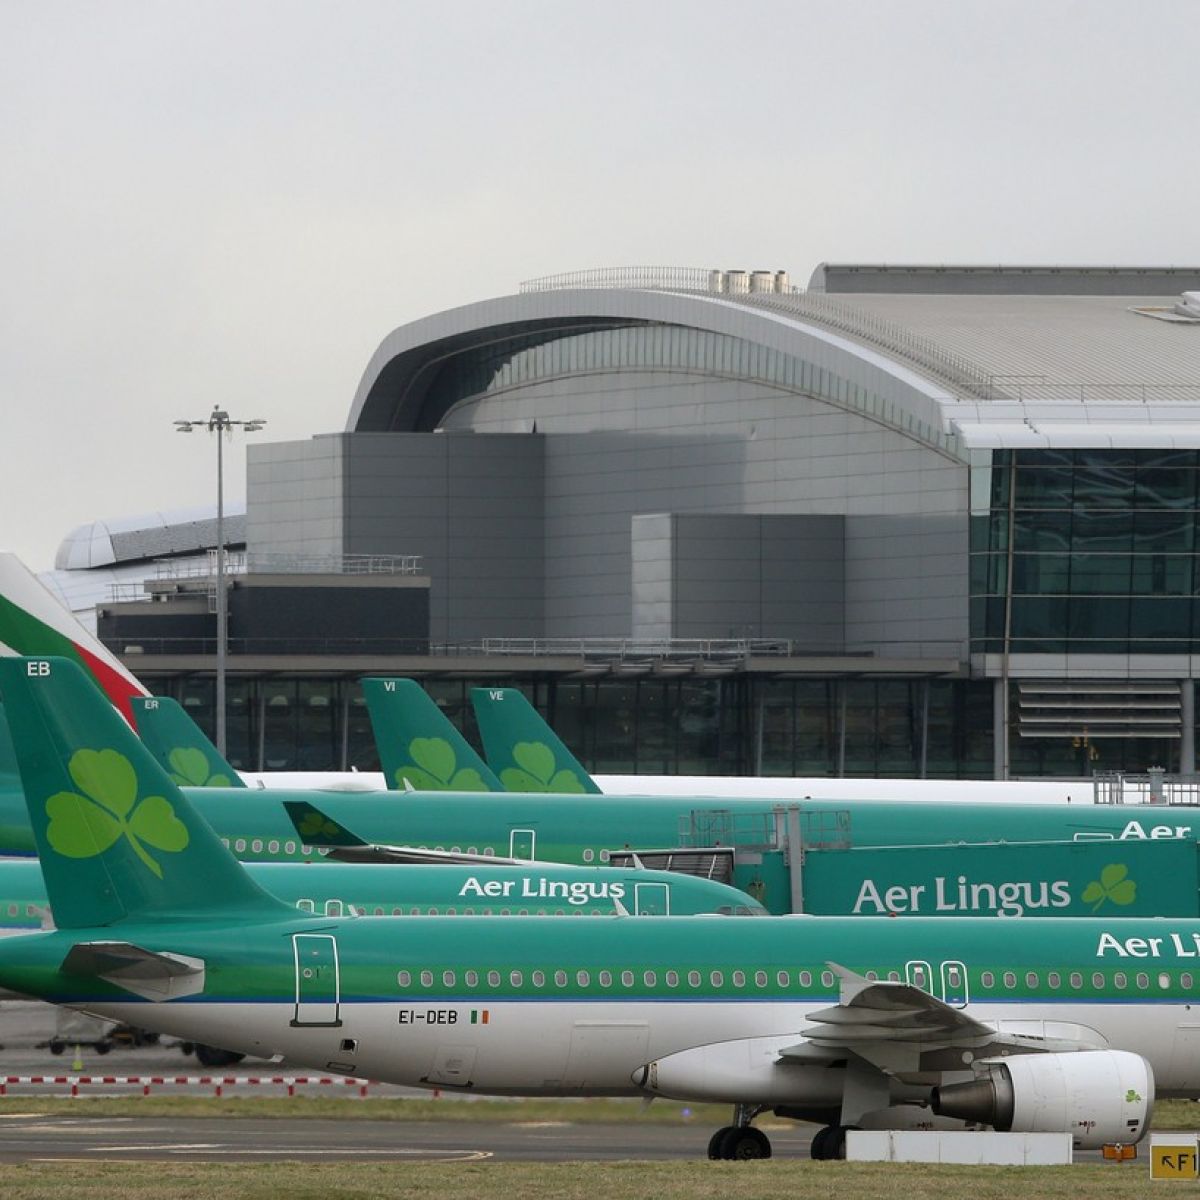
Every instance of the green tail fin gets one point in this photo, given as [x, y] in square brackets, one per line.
[117, 839]
[418, 746]
[522, 749]
[180, 746]
[316, 829]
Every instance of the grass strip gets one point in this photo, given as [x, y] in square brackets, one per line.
[787, 1180]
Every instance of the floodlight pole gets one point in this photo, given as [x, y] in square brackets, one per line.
[220, 423]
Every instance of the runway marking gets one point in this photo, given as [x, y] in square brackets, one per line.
[284, 1154]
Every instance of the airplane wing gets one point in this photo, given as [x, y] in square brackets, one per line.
[903, 1030]
[153, 975]
[418, 855]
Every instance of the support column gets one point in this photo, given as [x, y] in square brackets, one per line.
[1000, 759]
[1187, 712]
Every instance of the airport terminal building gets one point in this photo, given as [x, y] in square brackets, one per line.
[931, 521]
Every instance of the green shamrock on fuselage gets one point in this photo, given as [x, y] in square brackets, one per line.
[1112, 885]
[435, 769]
[535, 771]
[190, 768]
[83, 826]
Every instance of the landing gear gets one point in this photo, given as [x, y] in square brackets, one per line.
[740, 1141]
[830, 1143]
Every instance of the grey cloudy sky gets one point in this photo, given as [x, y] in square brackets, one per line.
[235, 202]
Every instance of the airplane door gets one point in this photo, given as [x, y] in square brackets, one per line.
[651, 900]
[919, 975]
[521, 843]
[318, 987]
[954, 984]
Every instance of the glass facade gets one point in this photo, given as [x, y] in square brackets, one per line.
[1101, 547]
[734, 725]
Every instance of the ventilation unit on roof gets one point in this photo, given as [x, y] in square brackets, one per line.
[1189, 305]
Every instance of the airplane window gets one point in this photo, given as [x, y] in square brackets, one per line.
[805, 978]
[693, 979]
[288, 847]
[379, 910]
[539, 979]
[1119, 979]
[516, 978]
[451, 911]
[471, 978]
[560, 978]
[489, 851]
[448, 979]
[524, 912]
[604, 856]
[588, 855]
[894, 976]
[493, 979]
[1185, 981]
[506, 912]
[306, 850]
[558, 912]
[468, 912]
[827, 978]
[583, 978]
[988, 979]
[455, 849]
[306, 906]
[1098, 980]
[397, 912]
[717, 979]
[226, 841]
[404, 978]
[760, 979]
[256, 845]
[1164, 980]
[782, 979]
[427, 979]
[416, 912]
[739, 979]
[1143, 980]
[240, 845]
[1031, 979]
[433, 912]
[1076, 979]
[874, 975]
[672, 979]
[627, 979]
[333, 908]
[1054, 979]
[273, 847]
[472, 850]
[1010, 980]
[606, 979]
[651, 978]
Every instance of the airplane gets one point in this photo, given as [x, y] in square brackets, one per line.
[33, 622]
[337, 889]
[1075, 1026]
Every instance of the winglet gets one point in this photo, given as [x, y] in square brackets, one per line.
[316, 829]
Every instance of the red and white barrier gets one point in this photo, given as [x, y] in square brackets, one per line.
[217, 1082]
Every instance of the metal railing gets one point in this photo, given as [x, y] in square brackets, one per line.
[1154, 788]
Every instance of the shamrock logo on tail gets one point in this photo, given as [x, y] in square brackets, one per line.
[535, 771]
[83, 826]
[190, 768]
[1112, 885]
[314, 825]
[436, 769]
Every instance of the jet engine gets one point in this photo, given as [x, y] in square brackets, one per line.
[1098, 1096]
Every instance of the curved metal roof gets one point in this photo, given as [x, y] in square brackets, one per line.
[992, 369]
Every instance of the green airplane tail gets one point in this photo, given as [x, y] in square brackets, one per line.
[522, 749]
[317, 829]
[180, 746]
[419, 748]
[117, 839]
